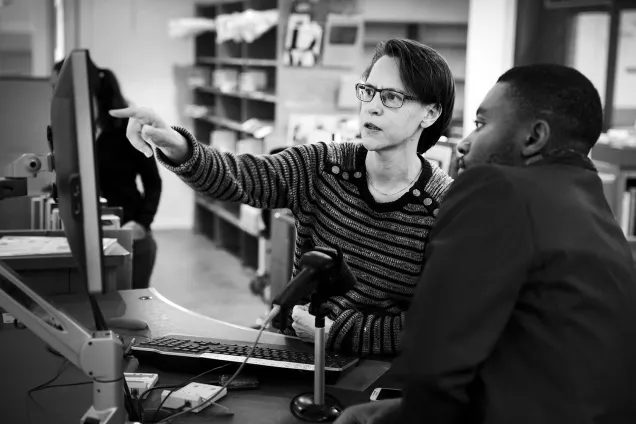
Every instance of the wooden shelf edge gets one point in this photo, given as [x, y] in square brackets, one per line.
[434, 44]
[224, 122]
[374, 20]
[223, 214]
[251, 95]
[237, 61]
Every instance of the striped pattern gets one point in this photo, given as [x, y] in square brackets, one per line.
[324, 185]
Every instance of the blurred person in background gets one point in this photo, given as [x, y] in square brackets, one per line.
[119, 166]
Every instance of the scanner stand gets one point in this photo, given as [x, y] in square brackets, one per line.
[317, 407]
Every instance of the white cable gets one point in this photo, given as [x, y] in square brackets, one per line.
[272, 314]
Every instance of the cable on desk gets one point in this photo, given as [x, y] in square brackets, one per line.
[45, 385]
[132, 408]
[174, 388]
[275, 310]
[55, 386]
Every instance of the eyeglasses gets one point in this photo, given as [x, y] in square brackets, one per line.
[389, 98]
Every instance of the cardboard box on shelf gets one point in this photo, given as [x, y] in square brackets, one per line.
[198, 77]
[253, 80]
[225, 80]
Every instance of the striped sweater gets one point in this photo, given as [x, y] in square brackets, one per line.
[325, 187]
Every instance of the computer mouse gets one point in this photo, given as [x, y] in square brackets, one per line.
[126, 324]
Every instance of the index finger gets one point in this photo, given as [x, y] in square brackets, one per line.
[130, 112]
[133, 133]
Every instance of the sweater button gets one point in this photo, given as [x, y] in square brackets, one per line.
[357, 174]
[335, 170]
[428, 202]
[435, 212]
[345, 175]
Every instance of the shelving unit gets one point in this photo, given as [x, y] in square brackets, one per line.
[293, 90]
[225, 222]
[617, 169]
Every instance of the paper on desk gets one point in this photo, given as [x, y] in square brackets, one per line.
[39, 245]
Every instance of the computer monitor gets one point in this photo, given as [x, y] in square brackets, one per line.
[76, 169]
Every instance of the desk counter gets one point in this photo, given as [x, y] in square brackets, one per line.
[26, 363]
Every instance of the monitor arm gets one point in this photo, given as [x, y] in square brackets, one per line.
[17, 172]
[99, 355]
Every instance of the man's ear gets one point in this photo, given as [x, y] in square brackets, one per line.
[434, 112]
[537, 139]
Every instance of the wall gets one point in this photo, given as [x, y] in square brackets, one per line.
[15, 39]
[489, 51]
[626, 64]
[590, 47]
[437, 11]
[131, 38]
[42, 42]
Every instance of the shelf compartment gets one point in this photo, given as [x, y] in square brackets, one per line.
[237, 61]
[263, 96]
[224, 214]
[223, 122]
[623, 157]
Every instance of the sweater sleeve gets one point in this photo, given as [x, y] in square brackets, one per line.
[283, 180]
[363, 333]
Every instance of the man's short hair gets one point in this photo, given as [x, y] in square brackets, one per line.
[563, 97]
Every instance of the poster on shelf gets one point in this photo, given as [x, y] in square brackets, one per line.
[313, 128]
[303, 40]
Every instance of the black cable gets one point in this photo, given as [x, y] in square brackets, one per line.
[275, 310]
[98, 316]
[44, 385]
[154, 417]
[54, 386]
[129, 404]
[133, 413]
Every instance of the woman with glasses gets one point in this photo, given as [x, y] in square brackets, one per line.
[374, 200]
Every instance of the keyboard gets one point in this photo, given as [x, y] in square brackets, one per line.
[179, 351]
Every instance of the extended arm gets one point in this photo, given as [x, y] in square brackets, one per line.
[476, 263]
[283, 180]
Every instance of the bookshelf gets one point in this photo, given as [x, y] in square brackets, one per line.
[235, 84]
[617, 169]
[232, 117]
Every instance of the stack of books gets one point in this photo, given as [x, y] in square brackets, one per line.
[45, 215]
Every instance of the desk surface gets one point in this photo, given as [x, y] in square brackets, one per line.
[26, 363]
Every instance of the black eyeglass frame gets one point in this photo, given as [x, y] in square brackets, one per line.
[380, 91]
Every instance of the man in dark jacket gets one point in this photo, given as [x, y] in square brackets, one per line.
[526, 309]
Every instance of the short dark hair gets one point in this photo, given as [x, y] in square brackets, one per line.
[426, 75]
[564, 98]
[107, 91]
